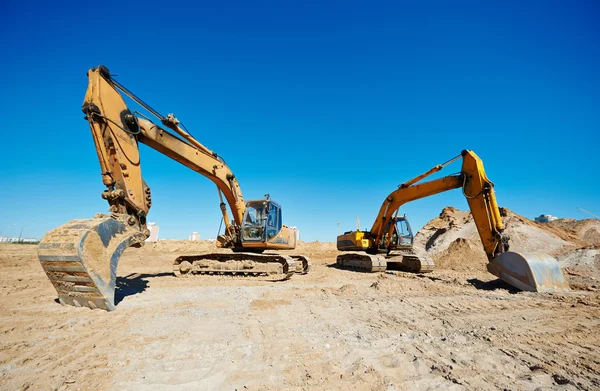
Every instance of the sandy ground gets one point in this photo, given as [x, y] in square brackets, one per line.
[331, 329]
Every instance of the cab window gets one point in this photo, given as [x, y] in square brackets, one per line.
[254, 220]
[273, 221]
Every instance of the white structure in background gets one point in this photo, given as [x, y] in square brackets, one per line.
[153, 232]
[297, 233]
[195, 236]
[16, 239]
[545, 218]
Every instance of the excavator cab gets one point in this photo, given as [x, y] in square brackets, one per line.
[261, 221]
[402, 235]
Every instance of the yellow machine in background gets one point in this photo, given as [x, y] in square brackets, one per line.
[526, 271]
[399, 254]
[81, 256]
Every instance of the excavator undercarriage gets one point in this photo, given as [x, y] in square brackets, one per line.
[271, 266]
[379, 263]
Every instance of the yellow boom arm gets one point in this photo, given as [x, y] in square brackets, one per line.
[477, 188]
[116, 132]
[527, 271]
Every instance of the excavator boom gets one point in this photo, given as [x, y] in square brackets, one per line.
[533, 272]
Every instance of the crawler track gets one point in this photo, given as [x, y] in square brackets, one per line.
[269, 266]
[378, 263]
[410, 263]
[362, 261]
[303, 264]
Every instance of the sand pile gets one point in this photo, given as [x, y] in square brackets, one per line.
[180, 246]
[452, 241]
[587, 230]
[526, 235]
[464, 255]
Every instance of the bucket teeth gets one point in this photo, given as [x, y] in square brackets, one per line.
[80, 258]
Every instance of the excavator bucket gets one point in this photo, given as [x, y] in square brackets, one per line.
[80, 259]
[535, 272]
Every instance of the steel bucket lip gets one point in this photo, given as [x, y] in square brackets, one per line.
[529, 271]
[66, 244]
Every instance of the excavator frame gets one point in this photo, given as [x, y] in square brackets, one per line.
[526, 271]
[81, 257]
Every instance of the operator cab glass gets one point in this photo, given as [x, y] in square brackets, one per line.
[262, 221]
[402, 234]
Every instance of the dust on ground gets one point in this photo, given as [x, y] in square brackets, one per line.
[456, 328]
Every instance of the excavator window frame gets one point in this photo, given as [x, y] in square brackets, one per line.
[258, 223]
[270, 218]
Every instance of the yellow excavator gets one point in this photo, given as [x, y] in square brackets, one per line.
[80, 257]
[536, 272]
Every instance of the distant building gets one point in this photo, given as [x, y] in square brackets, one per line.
[545, 218]
[153, 232]
[195, 236]
[16, 239]
[297, 232]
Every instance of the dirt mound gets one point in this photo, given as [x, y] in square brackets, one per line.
[464, 255]
[452, 241]
[526, 235]
[180, 246]
[587, 230]
[316, 247]
[449, 217]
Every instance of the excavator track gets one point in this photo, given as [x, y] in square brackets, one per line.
[269, 266]
[303, 264]
[362, 261]
[378, 263]
[410, 263]
[80, 258]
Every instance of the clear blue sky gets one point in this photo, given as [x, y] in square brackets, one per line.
[327, 106]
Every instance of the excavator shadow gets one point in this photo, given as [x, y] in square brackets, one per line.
[346, 268]
[134, 284]
[492, 285]
[391, 269]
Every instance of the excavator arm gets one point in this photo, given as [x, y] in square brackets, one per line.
[534, 271]
[116, 132]
[477, 189]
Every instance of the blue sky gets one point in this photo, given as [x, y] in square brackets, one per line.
[327, 106]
